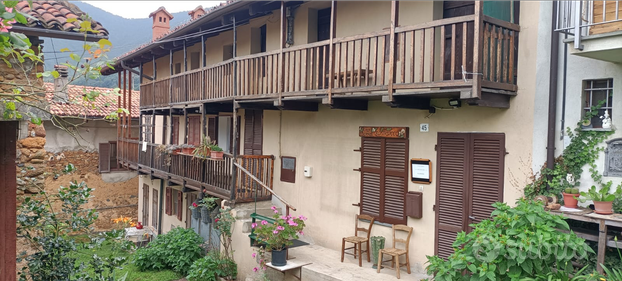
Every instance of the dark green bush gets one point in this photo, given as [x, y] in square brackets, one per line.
[212, 266]
[175, 250]
[517, 243]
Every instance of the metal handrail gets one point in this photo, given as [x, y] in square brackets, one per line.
[264, 186]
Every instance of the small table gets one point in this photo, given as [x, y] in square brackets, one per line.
[290, 266]
[138, 235]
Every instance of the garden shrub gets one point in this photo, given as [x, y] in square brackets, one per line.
[516, 243]
[212, 266]
[176, 250]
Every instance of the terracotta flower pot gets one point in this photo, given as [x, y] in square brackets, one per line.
[216, 154]
[187, 150]
[569, 200]
[176, 151]
[603, 208]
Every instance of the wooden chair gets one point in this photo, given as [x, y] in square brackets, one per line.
[394, 252]
[358, 240]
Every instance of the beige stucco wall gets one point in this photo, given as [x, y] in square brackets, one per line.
[154, 185]
[89, 136]
[168, 222]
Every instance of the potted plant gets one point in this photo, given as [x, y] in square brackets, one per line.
[187, 149]
[196, 210]
[278, 235]
[204, 149]
[571, 196]
[207, 205]
[216, 152]
[603, 200]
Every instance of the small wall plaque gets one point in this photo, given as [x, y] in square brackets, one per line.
[288, 169]
[384, 132]
[613, 158]
[421, 170]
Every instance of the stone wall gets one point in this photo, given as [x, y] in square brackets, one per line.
[31, 160]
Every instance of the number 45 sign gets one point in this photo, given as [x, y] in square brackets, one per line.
[424, 127]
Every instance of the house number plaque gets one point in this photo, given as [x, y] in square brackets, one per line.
[613, 158]
[384, 132]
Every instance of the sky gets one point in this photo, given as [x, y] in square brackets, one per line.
[142, 9]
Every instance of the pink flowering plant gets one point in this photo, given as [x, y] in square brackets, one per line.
[279, 234]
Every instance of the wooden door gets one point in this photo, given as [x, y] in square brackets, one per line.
[470, 179]
[145, 219]
[253, 132]
[455, 9]
[154, 209]
[194, 130]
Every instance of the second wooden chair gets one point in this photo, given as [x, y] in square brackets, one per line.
[358, 240]
[394, 252]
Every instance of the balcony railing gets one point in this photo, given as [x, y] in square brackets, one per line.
[214, 175]
[583, 18]
[360, 63]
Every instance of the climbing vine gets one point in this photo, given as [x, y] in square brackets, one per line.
[583, 150]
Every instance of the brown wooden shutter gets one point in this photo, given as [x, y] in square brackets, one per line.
[487, 163]
[253, 132]
[194, 130]
[180, 207]
[154, 209]
[146, 189]
[371, 173]
[452, 157]
[212, 128]
[104, 157]
[395, 180]
[168, 201]
[175, 125]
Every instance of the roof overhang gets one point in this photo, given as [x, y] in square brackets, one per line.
[42, 32]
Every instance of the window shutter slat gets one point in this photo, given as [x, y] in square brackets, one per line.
[258, 132]
[452, 160]
[180, 207]
[248, 132]
[168, 201]
[154, 209]
[487, 178]
[145, 219]
[104, 157]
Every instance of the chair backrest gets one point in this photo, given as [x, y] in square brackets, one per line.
[403, 228]
[362, 229]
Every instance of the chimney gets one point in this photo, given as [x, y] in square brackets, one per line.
[60, 85]
[196, 13]
[161, 22]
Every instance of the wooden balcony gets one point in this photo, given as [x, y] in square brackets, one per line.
[448, 56]
[195, 173]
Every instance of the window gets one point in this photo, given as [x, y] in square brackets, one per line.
[323, 24]
[177, 68]
[168, 201]
[597, 93]
[384, 178]
[154, 209]
[227, 52]
[108, 157]
[175, 198]
[262, 36]
[145, 219]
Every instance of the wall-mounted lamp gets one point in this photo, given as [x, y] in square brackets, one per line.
[455, 102]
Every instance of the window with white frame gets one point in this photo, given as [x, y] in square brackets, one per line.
[597, 96]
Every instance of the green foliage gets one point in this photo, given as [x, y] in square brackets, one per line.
[224, 224]
[175, 250]
[563, 276]
[573, 190]
[582, 150]
[520, 242]
[601, 195]
[212, 266]
[49, 229]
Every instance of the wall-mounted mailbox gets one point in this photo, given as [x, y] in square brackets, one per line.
[414, 202]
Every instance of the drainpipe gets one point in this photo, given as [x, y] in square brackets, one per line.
[564, 76]
[550, 146]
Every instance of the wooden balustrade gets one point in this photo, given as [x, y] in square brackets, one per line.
[428, 55]
[146, 95]
[260, 166]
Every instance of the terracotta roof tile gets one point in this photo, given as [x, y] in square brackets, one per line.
[100, 108]
[54, 14]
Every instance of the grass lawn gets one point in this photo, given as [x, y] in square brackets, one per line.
[133, 274]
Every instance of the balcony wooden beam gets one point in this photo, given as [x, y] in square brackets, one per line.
[347, 104]
[297, 105]
[491, 100]
[257, 106]
[411, 102]
[215, 108]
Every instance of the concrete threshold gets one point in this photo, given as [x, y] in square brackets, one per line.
[326, 265]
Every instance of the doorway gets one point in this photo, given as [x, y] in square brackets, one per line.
[470, 169]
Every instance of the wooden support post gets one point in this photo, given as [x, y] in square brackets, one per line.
[170, 74]
[119, 129]
[140, 136]
[8, 202]
[153, 126]
[155, 77]
[124, 132]
[203, 122]
[185, 125]
[170, 131]
[203, 50]
[185, 57]
[331, 50]
[281, 70]
[477, 49]
[234, 149]
[130, 85]
[395, 6]
[602, 245]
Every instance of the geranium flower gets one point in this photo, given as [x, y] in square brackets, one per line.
[253, 225]
[264, 222]
[216, 220]
[273, 208]
[254, 255]
[275, 232]
[302, 217]
[280, 228]
[292, 223]
[194, 204]
[5, 28]
[255, 269]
